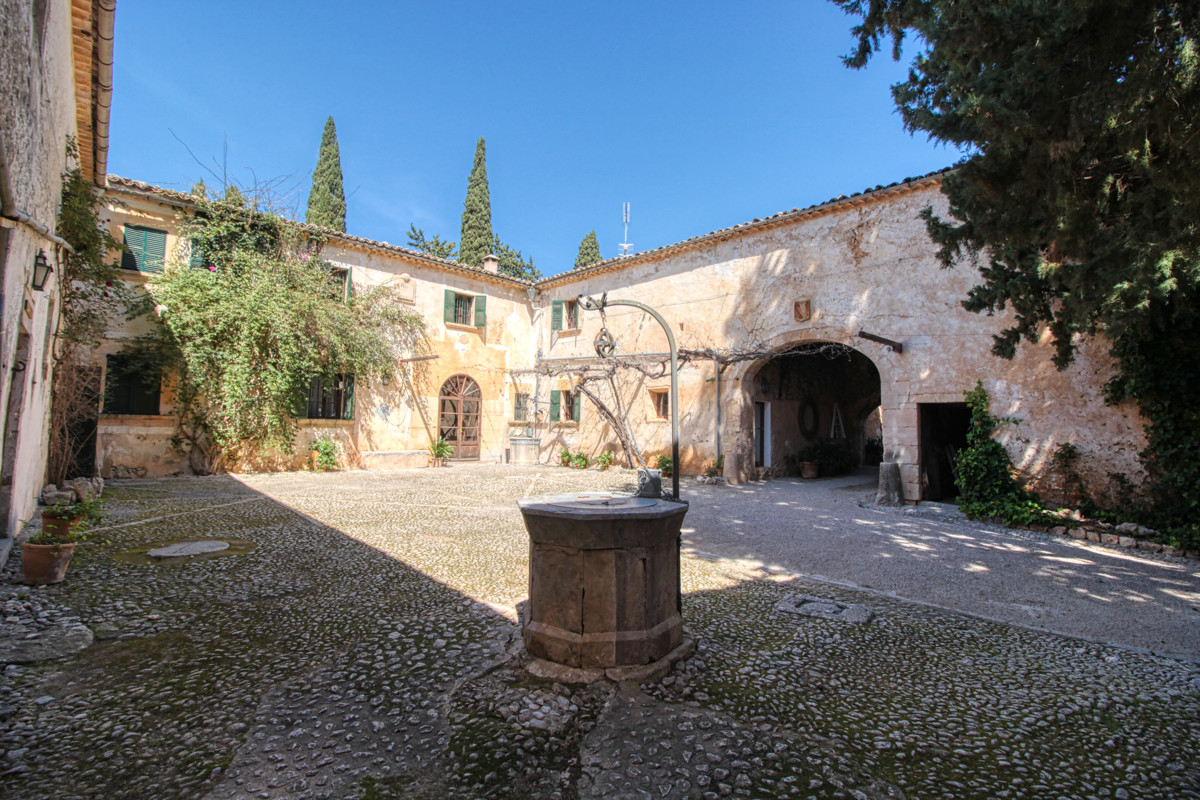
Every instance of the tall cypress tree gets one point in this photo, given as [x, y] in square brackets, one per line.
[589, 251]
[475, 240]
[327, 200]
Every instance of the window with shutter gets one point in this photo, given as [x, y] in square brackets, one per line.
[331, 398]
[555, 405]
[556, 315]
[145, 249]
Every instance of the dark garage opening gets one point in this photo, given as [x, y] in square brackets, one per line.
[943, 430]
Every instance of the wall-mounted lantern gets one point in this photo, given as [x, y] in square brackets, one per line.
[41, 271]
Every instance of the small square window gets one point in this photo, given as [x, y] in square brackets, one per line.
[521, 408]
[128, 389]
[662, 403]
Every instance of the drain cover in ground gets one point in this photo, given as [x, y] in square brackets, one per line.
[823, 608]
[188, 549]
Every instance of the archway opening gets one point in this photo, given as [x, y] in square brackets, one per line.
[818, 398]
[459, 406]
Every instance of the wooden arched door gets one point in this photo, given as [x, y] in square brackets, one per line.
[459, 408]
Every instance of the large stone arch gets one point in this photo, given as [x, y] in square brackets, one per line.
[760, 381]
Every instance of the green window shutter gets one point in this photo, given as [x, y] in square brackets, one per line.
[578, 406]
[449, 307]
[135, 243]
[349, 283]
[156, 250]
[196, 259]
[556, 309]
[480, 310]
[555, 404]
[348, 398]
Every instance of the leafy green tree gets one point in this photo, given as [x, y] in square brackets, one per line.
[435, 247]
[589, 251]
[512, 263]
[476, 239]
[245, 335]
[1079, 192]
[327, 200]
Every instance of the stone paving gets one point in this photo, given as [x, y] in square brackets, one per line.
[357, 640]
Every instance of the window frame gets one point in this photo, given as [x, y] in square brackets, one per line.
[660, 403]
[135, 393]
[134, 258]
[327, 402]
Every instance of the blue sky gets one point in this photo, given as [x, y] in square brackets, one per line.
[700, 115]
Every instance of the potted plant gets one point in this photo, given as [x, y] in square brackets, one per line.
[666, 464]
[439, 451]
[44, 558]
[324, 455]
[810, 461]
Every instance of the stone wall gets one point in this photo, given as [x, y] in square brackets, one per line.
[825, 276]
[37, 114]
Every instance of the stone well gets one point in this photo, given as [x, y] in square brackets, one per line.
[603, 579]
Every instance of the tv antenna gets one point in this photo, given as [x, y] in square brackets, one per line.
[625, 245]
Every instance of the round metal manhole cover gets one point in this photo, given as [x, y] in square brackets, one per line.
[181, 549]
[184, 552]
[823, 608]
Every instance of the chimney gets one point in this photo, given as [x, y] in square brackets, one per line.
[491, 262]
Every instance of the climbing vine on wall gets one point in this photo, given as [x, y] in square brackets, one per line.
[984, 472]
[250, 313]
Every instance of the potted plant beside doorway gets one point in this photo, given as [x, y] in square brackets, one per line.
[44, 558]
[439, 451]
[810, 462]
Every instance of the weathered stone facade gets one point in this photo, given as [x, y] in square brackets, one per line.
[820, 275]
[55, 81]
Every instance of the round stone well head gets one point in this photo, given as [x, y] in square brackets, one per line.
[603, 578]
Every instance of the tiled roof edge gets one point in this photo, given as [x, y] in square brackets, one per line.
[116, 182]
[829, 206]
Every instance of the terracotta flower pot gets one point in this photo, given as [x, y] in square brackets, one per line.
[46, 563]
[810, 469]
[59, 527]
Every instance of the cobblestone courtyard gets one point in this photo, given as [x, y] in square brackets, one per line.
[358, 640]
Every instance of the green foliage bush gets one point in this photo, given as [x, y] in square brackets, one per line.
[246, 333]
[983, 471]
[666, 464]
[605, 459]
[327, 453]
[441, 449]
[714, 468]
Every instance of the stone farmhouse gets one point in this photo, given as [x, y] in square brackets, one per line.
[859, 272]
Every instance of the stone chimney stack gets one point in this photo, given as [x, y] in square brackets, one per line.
[491, 262]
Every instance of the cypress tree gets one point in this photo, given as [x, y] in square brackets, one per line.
[327, 200]
[475, 240]
[589, 251]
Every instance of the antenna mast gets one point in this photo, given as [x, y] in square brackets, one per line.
[625, 245]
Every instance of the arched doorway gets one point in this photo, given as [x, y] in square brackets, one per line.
[459, 406]
[813, 398]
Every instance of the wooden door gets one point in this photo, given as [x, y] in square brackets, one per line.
[459, 408]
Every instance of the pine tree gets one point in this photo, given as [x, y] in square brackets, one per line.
[476, 239]
[435, 247]
[327, 200]
[513, 263]
[589, 251]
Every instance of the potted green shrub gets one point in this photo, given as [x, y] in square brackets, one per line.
[439, 451]
[810, 461]
[44, 558]
[324, 455]
[666, 464]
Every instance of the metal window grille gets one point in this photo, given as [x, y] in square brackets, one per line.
[462, 310]
[662, 404]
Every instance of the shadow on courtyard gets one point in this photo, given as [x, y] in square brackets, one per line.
[339, 660]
